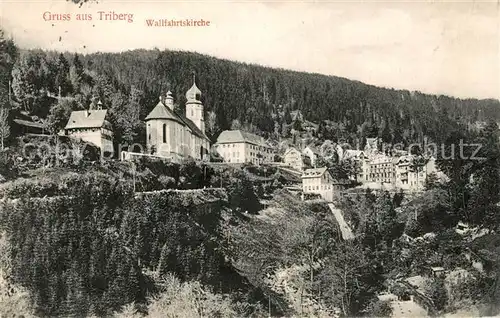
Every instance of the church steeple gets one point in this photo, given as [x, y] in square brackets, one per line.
[194, 107]
[194, 93]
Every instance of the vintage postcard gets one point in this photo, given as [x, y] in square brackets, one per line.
[249, 158]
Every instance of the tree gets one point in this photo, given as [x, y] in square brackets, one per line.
[437, 292]
[4, 126]
[348, 279]
[62, 79]
[380, 308]
[8, 54]
[417, 166]
[31, 78]
[59, 114]
[235, 124]
[211, 121]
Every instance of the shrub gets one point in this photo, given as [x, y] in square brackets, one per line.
[166, 182]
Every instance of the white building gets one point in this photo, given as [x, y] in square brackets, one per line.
[237, 146]
[312, 153]
[293, 158]
[361, 161]
[382, 169]
[91, 126]
[320, 181]
[170, 134]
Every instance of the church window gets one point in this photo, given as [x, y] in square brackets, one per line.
[164, 133]
[192, 114]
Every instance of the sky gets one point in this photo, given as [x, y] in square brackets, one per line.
[437, 47]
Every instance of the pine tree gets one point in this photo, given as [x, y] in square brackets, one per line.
[4, 126]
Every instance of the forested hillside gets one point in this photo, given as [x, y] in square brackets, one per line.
[260, 98]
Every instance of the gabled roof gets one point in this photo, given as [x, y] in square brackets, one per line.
[162, 112]
[372, 142]
[233, 136]
[87, 119]
[290, 149]
[188, 122]
[313, 149]
[349, 153]
[314, 173]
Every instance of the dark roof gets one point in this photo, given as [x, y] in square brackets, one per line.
[87, 119]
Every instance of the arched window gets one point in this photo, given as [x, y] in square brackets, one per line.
[164, 133]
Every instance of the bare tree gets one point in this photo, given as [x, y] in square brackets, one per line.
[4, 126]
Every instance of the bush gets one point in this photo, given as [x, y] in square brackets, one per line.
[166, 182]
[437, 292]
[380, 308]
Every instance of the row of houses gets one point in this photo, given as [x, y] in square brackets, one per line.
[407, 172]
[176, 136]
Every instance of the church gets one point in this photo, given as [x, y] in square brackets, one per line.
[172, 135]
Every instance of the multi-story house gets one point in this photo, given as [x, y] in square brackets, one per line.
[382, 170]
[237, 146]
[172, 135]
[411, 177]
[320, 181]
[293, 158]
[91, 126]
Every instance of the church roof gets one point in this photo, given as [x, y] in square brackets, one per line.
[88, 119]
[197, 131]
[232, 136]
[163, 112]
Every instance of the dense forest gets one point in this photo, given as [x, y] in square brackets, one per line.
[259, 98]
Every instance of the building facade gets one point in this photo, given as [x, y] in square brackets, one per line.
[175, 136]
[312, 153]
[293, 158]
[382, 170]
[320, 181]
[237, 146]
[91, 126]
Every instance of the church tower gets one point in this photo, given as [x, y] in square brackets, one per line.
[194, 107]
